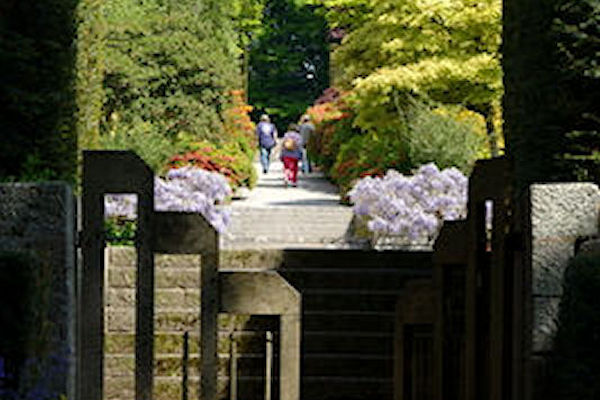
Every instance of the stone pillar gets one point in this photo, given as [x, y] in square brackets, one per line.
[40, 219]
[559, 215]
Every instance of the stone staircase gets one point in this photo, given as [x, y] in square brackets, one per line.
[278, 226]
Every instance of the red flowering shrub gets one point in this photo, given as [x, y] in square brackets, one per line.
[332, 115]
[239, 127]
[227, 161]
[232, 156]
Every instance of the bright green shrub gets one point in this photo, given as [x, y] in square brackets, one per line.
[438, 136]
[168, 67]
[448, 136]
[142, 137]
[119, 231]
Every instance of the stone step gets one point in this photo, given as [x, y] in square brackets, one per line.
[300, 224]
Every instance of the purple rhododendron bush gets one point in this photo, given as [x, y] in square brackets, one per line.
[185, 189]
[410, 209]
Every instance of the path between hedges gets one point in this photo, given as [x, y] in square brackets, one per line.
[275, 216]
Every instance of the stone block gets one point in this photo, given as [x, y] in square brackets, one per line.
[191, 298]
[167, 298]
[177, 278]
[120, 298]
[564, 210]
[179, 321]
[549, 261]
[119, 320]
[121, 277]
[41, 218]
[177, 261]
[120, 256]
[250, 259]
[545, 317]
[117, 388]
[120, 343]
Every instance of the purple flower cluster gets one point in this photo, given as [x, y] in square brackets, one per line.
[185, 189]
[412, 207]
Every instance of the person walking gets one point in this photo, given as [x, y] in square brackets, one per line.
[266, 133]
[306, 130]
[291, 152]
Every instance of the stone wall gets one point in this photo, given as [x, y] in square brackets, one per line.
[40, 219]
[348, 298]
[177, 307]
[560, 215]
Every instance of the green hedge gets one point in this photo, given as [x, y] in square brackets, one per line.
[37, 101]
[552, 87]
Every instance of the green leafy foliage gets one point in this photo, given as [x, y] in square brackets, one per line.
[577, 29]
[155, 76]
[446, 51]
[289, 61]
[90, 70]
[333, 117]
[368, 155]
[441, 136]
[170, 66]
[449, 136]
[345, 14]
[119, 231]
[142, 137]
[38, 99]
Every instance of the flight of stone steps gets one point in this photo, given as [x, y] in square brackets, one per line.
[300, 226]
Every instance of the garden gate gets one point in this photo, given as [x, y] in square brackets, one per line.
[107, 172]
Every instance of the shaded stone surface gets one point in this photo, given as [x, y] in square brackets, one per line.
[545, 313]
[40, 218]
[561, 214]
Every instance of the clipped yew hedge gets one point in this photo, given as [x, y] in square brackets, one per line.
[37, 103]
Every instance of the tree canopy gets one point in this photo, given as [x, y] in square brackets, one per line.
[289, 61]
[446, 51]
[169, 65]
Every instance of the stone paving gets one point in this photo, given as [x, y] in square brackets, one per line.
[275, 216]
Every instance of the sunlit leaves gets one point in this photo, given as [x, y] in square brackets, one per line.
[441, 50]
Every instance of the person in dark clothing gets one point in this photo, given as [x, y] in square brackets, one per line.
[266, 133]
[306, 130]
